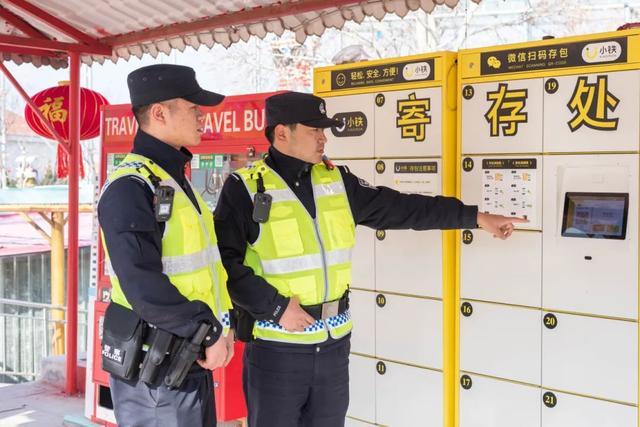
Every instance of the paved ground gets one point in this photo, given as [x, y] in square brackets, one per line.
[37, 404]
[45, 405]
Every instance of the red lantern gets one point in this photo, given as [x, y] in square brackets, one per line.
[53, 103]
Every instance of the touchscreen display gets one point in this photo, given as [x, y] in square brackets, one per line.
[595, 215]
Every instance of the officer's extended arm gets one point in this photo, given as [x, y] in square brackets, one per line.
[385, 208]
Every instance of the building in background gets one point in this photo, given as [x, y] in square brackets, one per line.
[29, 159]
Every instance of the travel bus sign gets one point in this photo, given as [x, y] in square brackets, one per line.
[578, 54]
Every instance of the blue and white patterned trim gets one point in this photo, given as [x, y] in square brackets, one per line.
[316, 327]
[226, 320]
[339, 320]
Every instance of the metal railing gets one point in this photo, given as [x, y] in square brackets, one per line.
[27, 335]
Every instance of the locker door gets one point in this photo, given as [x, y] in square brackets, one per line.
[409, 330]
[362, 305]
[355, 138]
[363, 258]
[565, 129]
[489, 126]
[590, 275]
[487, 402]
[591, 356]
[417, 254]
[362, 386]
[408, 123]
[517, 276]
[563, 410]
[507, 186]
[500, 341]
[408, 396]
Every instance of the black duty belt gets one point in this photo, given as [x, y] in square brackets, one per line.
[328, 309]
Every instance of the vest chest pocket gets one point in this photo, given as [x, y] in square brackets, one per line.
[286, 237]
[340, 229]
[188, 230]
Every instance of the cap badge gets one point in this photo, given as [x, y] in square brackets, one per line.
[322, 109]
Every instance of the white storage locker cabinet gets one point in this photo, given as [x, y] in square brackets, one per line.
[398, 131]
[548, 320]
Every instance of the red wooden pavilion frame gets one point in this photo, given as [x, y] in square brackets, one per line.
[37, 43]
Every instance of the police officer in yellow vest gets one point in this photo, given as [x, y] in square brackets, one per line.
[286, 228]
[162, 254]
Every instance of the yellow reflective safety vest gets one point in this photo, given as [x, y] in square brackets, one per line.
[302, 256]
[190, 256]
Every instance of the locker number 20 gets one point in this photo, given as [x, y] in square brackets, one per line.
[550, 321]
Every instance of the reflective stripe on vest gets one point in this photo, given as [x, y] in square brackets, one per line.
[305, 262]
[182, 264]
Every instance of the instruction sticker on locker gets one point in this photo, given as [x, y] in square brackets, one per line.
[416, 177]
[509, 187]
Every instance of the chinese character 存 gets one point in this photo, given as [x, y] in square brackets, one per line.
[553, 53]
[413, 117]
[506, 111]
[53, 111]
[590, 103]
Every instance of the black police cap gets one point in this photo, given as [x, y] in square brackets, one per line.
[161, 82]
[295, 107]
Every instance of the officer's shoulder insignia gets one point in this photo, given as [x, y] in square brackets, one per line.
[235, 176]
